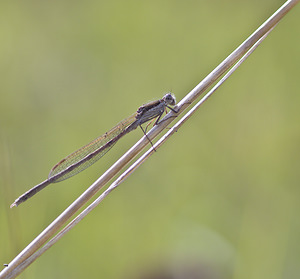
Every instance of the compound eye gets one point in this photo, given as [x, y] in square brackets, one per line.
[170, 99]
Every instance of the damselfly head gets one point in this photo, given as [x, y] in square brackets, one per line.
[170, 99]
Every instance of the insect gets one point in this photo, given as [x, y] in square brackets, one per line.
[93, 151]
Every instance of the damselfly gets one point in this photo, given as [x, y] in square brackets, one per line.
[92, 152]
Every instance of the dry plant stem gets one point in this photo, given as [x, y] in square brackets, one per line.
[139, 162]
[176, 127]
[237, 53]
[11, 271]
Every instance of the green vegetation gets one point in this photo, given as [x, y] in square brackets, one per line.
[223, 194]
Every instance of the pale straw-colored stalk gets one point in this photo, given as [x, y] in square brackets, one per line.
[47, 238]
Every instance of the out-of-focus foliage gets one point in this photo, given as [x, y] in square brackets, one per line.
[220, 200]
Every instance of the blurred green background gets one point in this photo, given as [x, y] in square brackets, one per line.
[220, 200]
